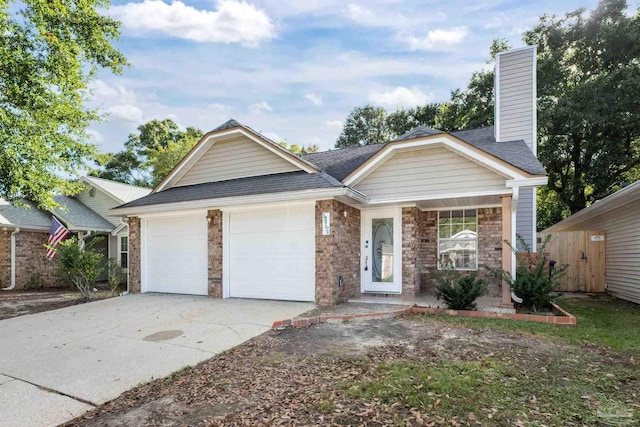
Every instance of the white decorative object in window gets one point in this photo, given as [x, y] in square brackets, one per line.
[458, 239]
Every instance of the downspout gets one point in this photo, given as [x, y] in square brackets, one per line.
[514, 242]
[13, 261]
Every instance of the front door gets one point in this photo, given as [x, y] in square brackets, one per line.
[382, 251]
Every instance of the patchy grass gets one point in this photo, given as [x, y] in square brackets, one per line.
[423, 370]
[601, 321]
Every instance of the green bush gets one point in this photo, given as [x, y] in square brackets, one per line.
[459, 290]
[79, 265]
[115, 275]
[535, 282]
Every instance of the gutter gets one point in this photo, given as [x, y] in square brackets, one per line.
[13, 261]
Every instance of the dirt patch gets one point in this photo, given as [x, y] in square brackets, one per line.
[19, 303]
[332, 374]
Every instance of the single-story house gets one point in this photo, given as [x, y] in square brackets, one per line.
[240, 216]
[24, 230]
[618, 215]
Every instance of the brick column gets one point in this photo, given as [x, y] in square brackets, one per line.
[411, 262]
[506, 250]
[214, 256]
[337, 254]
[134, 255]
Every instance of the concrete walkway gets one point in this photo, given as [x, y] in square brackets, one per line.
[58, 364]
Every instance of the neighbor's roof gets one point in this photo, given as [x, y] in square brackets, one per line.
[276, 183]
[123, 192]
[79, 217]
[25, 217]
[340, 163]
[580, 220]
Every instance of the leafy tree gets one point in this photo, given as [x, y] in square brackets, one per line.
[474, 107]
[300, 150]
[589, 100]
[49, 51]
[149, 155]
[405, 119]
[364, 125]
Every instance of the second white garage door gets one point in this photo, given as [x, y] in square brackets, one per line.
[272, 253]
[176, 255]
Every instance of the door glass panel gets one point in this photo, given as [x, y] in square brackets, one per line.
[382, 249]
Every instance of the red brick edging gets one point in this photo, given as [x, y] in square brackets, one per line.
[566, 318]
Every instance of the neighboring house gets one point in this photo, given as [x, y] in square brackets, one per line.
[240, 216]
[24, 231]
[618, 215]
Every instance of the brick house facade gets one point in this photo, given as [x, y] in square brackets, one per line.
[33, 268]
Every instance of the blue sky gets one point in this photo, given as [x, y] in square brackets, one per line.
[294, 69]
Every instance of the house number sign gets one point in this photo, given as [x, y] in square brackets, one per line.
[326, 223]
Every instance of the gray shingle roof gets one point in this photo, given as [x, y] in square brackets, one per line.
[78, 216]
[228, 125]
[277, 183]
[516, 153]
[340, 163]
[24, 217]
[417, 132]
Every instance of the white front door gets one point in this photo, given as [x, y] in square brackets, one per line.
[382, 251]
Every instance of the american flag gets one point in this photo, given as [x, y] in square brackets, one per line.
[58, 234]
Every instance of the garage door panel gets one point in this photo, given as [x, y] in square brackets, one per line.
[176, 255]
[272, 254]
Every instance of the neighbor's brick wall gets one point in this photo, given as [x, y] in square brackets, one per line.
[337, 254]
[33, 268]
[32, 264]
[214, 257]
[489, 248]
[134, 255]
[5, 258]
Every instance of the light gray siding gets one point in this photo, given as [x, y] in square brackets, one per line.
[235, 158]
[428, 172]
[100, 203]
[622, 247]
[515, 120]
[524, 217]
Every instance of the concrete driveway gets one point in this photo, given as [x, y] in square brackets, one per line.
[58, 364]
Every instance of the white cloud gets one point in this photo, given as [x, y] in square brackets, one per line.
[126, 112]
[333, 124]
[273, 136]
[438, 39]
[260, 107]
[398, 97]
[233, 21]
[314, 99]
[94, 136]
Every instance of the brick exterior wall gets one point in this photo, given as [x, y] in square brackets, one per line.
[489, 247]
[33, 268]
[5, 258]
[214, 256]
[412, 260]
[337, 254]
[134, 255]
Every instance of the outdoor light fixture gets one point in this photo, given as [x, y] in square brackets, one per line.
[92, 192]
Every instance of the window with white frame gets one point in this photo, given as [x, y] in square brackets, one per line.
[458, 239]
[124, 251]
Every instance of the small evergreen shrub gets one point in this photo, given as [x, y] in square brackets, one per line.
[535, 282]
[459, 290]
[79, 264]
[115, 275]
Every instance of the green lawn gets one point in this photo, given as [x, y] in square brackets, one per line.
[561, 379]
[602, 321]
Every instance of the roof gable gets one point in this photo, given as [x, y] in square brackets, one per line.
[232, 151]
[118, 191]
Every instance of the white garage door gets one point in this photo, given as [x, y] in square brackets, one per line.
[176, 255]
[272, 254]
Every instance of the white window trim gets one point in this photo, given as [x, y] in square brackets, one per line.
[450, 239]
[120, 251]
